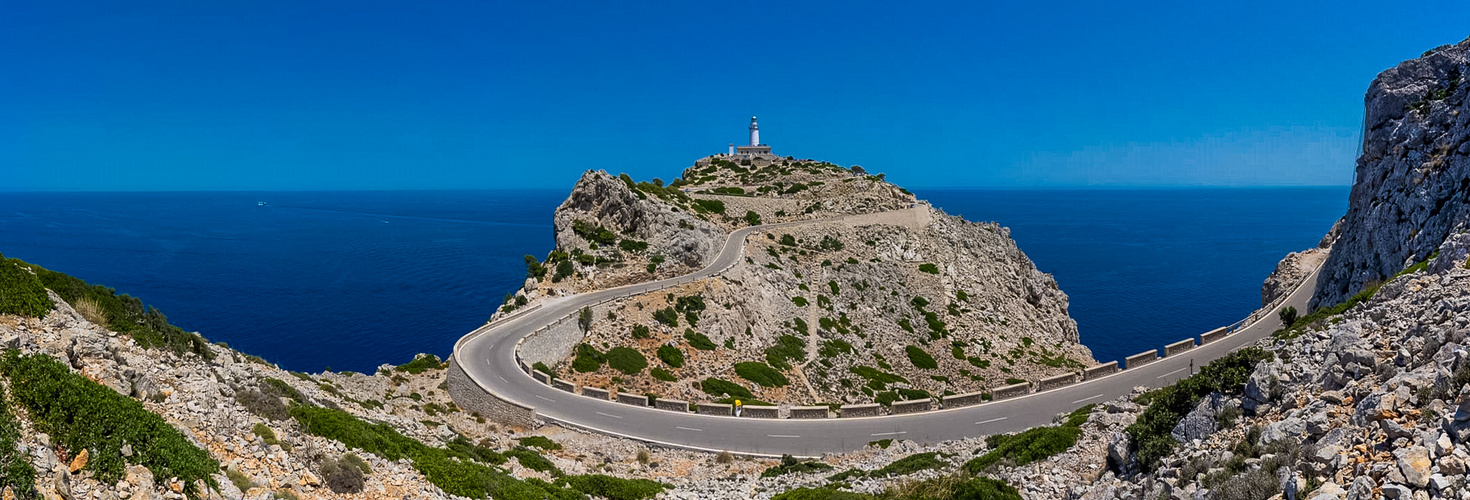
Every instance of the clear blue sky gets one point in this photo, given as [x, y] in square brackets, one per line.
[375, 95]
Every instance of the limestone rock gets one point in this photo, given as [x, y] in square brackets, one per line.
[1414, 464]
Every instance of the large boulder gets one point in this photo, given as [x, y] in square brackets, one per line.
[1202, 420]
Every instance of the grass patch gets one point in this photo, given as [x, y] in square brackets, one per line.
[761, 374]
[80, 414]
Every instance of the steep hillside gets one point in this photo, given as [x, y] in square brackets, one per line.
[874, 296]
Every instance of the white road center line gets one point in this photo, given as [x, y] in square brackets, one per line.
[690, 429]
[545, 398]
[1173, 372]
[989, 421]
[607, 415]
[1089, 398]
[889, 433]
[782, 436]
[502, 379]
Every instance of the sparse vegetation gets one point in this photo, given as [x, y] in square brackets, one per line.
[929, 268]
[420, 364]
[920, 358]
[787, 348]
[588, 359]
[1032, 445]
[1152, 432]
[699, 340]
[790, 465]
[626, 360]
[761, 374]
[718, 387]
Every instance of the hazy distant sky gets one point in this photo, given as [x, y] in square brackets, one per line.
[501, 94]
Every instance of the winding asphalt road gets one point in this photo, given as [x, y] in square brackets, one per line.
[488, 356]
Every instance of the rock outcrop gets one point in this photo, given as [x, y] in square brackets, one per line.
[601, 199]
[1412, 186]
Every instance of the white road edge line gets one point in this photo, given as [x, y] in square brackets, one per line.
[608, 415]
[545, 398]
[1089, 398]
[991, 420]
[502, 379]
[782, 436]
[690, 429]
[1173, 372]
[889, 433]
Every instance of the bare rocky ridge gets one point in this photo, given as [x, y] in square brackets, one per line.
[1412, 185]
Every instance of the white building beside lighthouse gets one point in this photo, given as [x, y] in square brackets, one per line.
[755, 149]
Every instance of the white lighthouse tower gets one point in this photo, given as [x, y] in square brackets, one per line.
[755, 149]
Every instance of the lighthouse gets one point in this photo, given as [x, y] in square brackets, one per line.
[755, 149]
[755, 133]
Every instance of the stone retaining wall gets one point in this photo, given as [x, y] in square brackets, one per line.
[912, 406]
[1102, 370]
[1141, 359]
[593, 392]
[557, 341]
[1010, 391]
[541, 377]
[723, 410]
[757, 411]
[809, 412]
[470, 397]
[564, 385]
[865, 410]
[671, 405]
[1049, 383]
[1178, 347]
[958, 400]
[632, 399]
[1213, 335]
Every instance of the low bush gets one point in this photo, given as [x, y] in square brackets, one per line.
[341, 476]
[714, 206]
[420, 364]
[1152, 433]
[929, 268]
[667, 316]
[21, 292]
[356, 461]
[787, 349]
[529, 459]
[626, 360]
[662, 374]
[268, 436]
[80, 414]
[261, 404]
[613, 488]
[761, 374]
[910, 464]
[641, 332]
[920, 358]
[834, 347]
[719, 387]
[541, 442]
[790, 465]
[15, 467]
[588, 359]
[699, 340]
[541, 367]
[671, 356]
[237, 478]
[752, 218]
[633, 246]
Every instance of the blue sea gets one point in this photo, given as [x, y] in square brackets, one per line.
[351, 280]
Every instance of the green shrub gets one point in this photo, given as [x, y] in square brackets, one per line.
[588, 359]
[759, 373]
[715, 206]
[532, 460]
[633, 246]
[667, 316]
[752, 218]
[341, 476]
[356, 461]
[834, 347]
[1288, 316]
[718, 387]
[699, 340]
[626, 360]
[910, 464]
[15, 467]
[80, 414]
[876, 375]
[929, 268]
[920, 358]
[125, 314]
[541, 442]
[662, 374]
[671, 356]
[261, 404]
[237, 478]
[787, 348]
[421, 364]
[268, 436]
[799, 301]
[541, 367]
[788, 240]
[613, 488]
[790, 465]
[641, 332]
[593, 232]
[21, 292]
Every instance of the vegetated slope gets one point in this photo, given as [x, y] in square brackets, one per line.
[879, 297]
[1412, 181]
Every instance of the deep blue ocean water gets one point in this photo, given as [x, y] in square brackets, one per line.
[350, 280]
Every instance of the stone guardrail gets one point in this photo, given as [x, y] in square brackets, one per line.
[1141, 359]
[595, 393]
[720, 409]
[958, 400]
[564, 385]
[760, 411]
[1010, 391]
[1100, 370]
[1179, 347]
[632, 399]
[804, 412]
[862, 410]
[541, 377]
[1213, 335]
[910, 406]
[671, 405]
[1062, 380]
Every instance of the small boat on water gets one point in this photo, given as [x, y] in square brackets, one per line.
[260, 203]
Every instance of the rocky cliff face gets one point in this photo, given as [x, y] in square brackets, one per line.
[602, 200]
[1413, 179]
